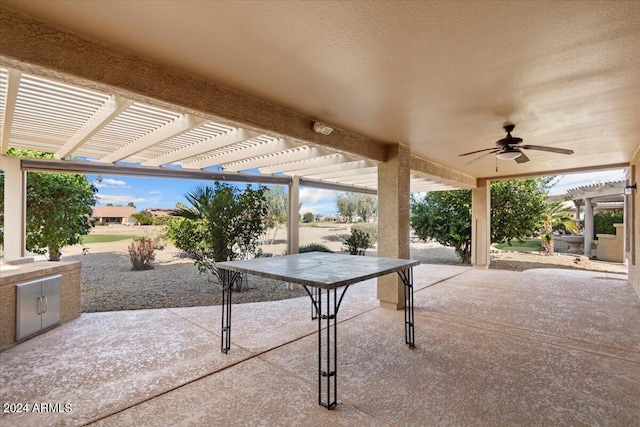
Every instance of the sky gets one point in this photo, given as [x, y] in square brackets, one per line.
[165, 193]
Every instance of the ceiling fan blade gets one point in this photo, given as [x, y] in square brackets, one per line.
[522, 158]
[479, 151]
[495, 150]
[550, 149]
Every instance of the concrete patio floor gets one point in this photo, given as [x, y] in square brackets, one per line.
[540, 347]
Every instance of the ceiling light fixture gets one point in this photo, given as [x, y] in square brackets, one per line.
[322, 128]
[508, 155]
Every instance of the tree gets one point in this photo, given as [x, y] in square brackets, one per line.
[517, 208]
[222, 223]
[131, 205]
[346, 205]
[144, 218]
[366, 206]
[58, 208]
[444, 216]
[517, 212]
[554, 216]
[351, 204]
[308, 217]
[276, 202]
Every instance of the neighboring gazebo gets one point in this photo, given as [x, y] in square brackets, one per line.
[608, 195]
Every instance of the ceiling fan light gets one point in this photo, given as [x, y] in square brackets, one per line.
[508, 155]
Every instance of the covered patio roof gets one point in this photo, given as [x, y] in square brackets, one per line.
[41, 114]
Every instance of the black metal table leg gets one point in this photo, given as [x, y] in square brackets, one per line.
[409, 332]
[228, 279]
[315, 295]
[327, 347]
[327, 374]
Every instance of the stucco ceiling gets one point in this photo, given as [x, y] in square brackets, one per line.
[441, 77]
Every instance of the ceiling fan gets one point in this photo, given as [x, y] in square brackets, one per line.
[508, 148]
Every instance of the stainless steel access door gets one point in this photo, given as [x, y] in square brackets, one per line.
[51, 310]
[28, 320]
[38, 305]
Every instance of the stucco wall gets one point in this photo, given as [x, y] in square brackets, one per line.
[634, 261]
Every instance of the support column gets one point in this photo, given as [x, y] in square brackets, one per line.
[481, 224]
[588, 227]
[293, 220]
[393, 221]
[577, 203]
[15, 208]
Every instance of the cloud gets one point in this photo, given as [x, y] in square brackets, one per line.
[318, 201]
[154, 192]
[111, 183]
[119, 199]
[313, 195]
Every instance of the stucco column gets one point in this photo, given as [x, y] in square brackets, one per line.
[481, 224]
[15, 208]
[588, 226]
[393, 221]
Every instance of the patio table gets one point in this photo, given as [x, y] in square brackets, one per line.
[318, 271]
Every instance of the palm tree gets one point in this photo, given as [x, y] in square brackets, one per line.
[556, 214]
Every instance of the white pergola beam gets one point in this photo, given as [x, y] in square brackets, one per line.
[345, 165]
[104, 115]
[260, 149]
[214, 143]
[176, 127]
[344, 173]
[9, 107]
[279, 158]
[300, 167]
[373, 177]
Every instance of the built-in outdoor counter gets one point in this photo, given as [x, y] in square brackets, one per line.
[611, 246]
[67, 275]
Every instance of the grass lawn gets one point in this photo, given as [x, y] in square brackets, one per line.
[534, 246]
[103, 238]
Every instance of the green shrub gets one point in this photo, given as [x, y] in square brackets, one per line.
[307, 217]
[603, 222]
[313, 247]
[357, 243]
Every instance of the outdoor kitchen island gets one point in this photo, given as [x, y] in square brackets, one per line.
[62, 306]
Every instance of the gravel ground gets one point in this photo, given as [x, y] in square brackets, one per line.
[108, 283]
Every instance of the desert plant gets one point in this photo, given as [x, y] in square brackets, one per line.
[555, 215]
[222, 223]
[357, 243]
[142, 252]
[313, 247]
[307, 217]
[370, 228]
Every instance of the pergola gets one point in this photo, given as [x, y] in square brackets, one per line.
[212, 85]
[590, 195]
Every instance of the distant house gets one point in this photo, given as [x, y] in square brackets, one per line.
[114, 215]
